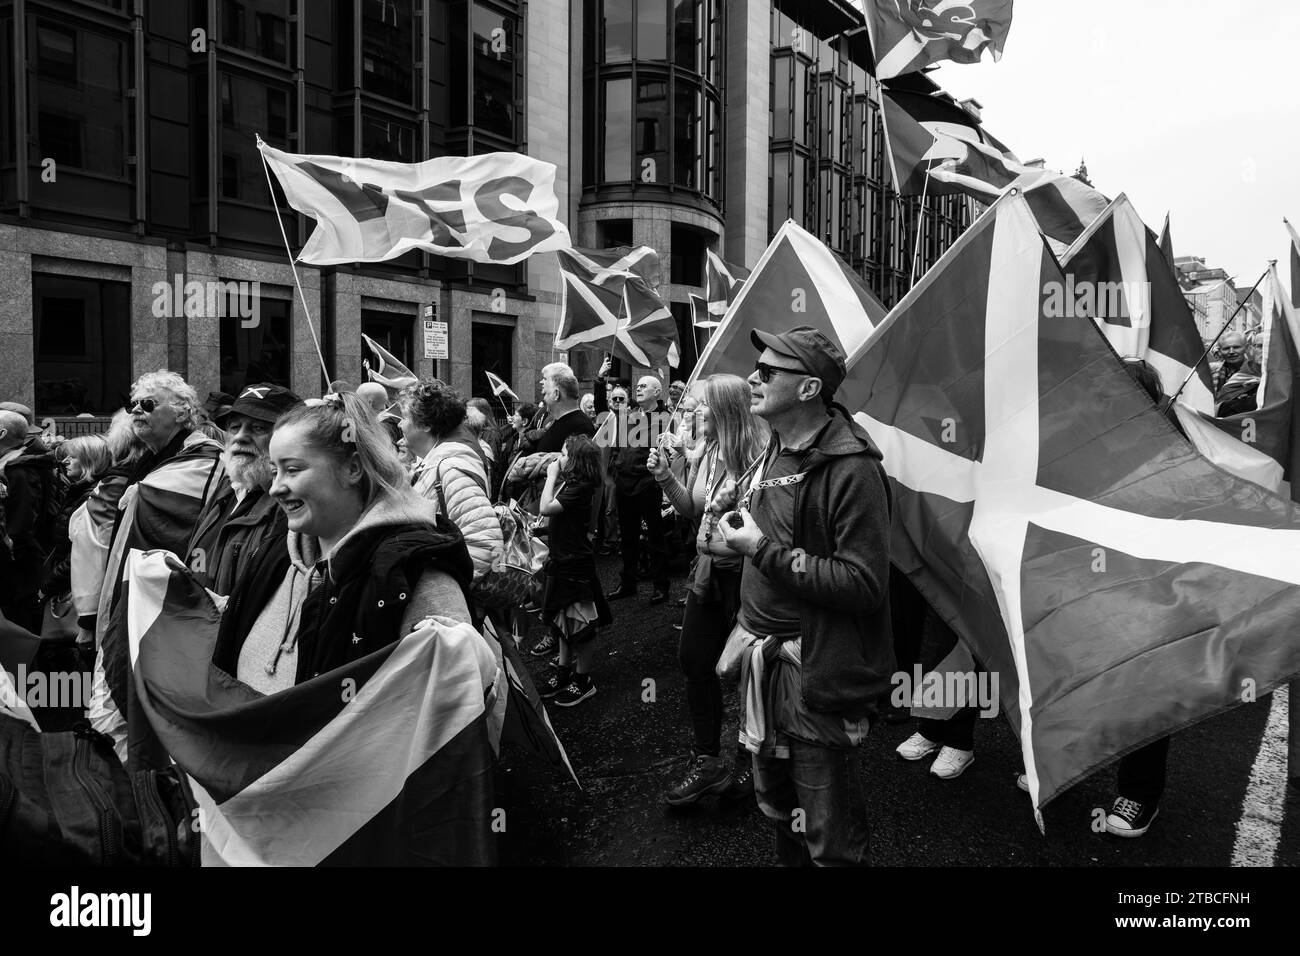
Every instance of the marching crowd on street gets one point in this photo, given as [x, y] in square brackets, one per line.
[769, 497]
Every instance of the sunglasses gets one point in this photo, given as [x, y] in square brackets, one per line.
[146, 405]
[617, 401]
[765, 371]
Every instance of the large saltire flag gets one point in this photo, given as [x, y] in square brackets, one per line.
[1270, 431]
[494, 207]
[909, 35]
[722, 283]
[798, 281]
[606, 301]
[158, 512]
[1120, 586]
[383, 367]
[385, 761]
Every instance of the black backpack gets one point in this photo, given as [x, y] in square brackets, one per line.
[65, 800]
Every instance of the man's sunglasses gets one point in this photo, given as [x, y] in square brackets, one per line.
[617, 401]
[765, 371]
[146, 405]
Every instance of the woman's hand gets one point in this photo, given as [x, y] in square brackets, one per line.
[657, 463]
[724, 499]
[553, 469]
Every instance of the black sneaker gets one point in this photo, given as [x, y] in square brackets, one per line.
[555, 683]
[704, 776]
[543, 647]
[1128, 818]
[574, 693]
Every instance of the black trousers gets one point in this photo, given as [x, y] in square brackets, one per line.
[1142, 773]
[632, 508]
[705, 627]
[957, 732]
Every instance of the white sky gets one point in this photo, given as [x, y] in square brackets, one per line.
[1188, 106]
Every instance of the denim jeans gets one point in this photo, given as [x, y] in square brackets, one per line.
[823, 783]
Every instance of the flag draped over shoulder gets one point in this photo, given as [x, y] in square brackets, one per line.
[383, 367]
[494, 207]
[1120, 586]
[608, 298]
[385, 761]
[798, 281]
[158, 512]
[909, 35]
[722, 283]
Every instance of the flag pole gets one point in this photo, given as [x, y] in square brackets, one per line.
[289, 252]
[1226, 325]
[920, 219]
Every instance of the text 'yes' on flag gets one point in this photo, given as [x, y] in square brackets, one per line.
[495, 207]
[1121, 586]
[797, 281]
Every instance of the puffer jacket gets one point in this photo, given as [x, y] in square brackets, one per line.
[457, 462]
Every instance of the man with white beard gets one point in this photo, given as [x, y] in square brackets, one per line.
[241, 518]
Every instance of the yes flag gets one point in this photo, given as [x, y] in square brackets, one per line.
[722, 282]
[495, 207]
[1120, 586]
[909, 35]
[798, 281]
[386, 761]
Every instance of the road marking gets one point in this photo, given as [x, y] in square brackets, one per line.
[1260, 825]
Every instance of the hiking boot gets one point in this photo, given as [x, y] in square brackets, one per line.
[741, 786]
[951, 763]
[575, 692]
[916, 746]
[1128, 818]
[543, 647]
[704, 776]
[561, 679]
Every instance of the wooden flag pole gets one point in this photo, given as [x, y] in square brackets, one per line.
[1210, 347]
[289, 252]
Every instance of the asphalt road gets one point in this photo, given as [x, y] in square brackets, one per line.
[627, 750]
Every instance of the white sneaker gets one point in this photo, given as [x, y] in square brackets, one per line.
[916, 746]
[952, 763]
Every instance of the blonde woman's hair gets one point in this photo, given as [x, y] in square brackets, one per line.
[91, 453]
[344, 425]
[740, 434]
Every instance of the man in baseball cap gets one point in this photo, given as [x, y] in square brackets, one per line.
[241, 517]
[813, 525]
[23, 410]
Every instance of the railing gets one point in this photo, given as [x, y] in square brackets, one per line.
[73, 427]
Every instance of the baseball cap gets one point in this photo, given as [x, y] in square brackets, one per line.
[217, 404]
[23, 410]
[263, 401]
[811, 348]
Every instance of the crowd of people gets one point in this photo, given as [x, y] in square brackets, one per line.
[771, 500]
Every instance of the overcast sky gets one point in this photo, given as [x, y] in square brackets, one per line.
[1190, 107]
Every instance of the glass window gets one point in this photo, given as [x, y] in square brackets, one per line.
[494, 72]
[81, 344]
[781, 97]
[393, 332]
[257, 26]
[618, 30]
[687, 34]
[715, 43]
[383, 138]
[798, 189]
[618, 131]
[388, 49]
[652, 29]
[686, 264]
[652, 131]
[491, 350]
[80, 110]
[799, 129]
[247, 108]
[713, 152]
[780, 195]
[259, 354]
[687, 143]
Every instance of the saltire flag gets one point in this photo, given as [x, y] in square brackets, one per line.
[1117, 275]
[909, 35]
[701, 318]
[617, 310]
[722, 283]
[926, 131]
[798, 281]
[1120, 586]
[13, 702]
[1167, 242]
[158, 512]
[383, 367]
[494, 207]
[1270, 431]
[386, 761]
[612, 266]
[1295, 264]
[500, 387]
